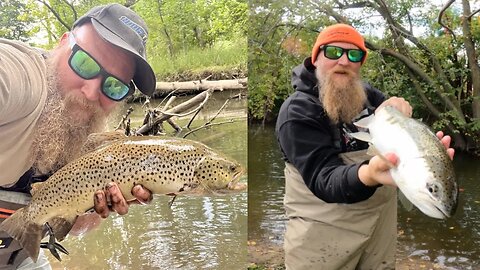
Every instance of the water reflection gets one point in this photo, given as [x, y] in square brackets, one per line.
[423, 242]
[195, 233]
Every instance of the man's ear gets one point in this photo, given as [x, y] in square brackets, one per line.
[64, 38]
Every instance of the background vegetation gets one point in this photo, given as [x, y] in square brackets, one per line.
[186, 38]
[434, 66]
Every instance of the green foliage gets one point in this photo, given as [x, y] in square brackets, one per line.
[224, 55]
[183, 35]
[14, 24]
[440, 88]
[273, 51]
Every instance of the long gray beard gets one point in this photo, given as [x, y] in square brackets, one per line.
[58, 137]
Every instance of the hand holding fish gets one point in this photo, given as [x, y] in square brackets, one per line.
[398, 103]
[377, 171]
[111, 199]
[446, 140]
[103, 206]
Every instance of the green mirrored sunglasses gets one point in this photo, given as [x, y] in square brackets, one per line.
[334, 53]
[85, 66]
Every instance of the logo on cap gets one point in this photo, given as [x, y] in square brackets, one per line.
[135, 27]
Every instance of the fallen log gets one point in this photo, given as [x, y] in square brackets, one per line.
[193, 87]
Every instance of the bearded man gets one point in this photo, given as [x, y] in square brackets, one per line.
[51, 101]
[341, 204]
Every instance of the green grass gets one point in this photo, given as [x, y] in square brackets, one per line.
[224, 56]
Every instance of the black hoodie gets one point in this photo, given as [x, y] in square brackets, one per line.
[307, 140]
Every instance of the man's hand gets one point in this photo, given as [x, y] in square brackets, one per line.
[398, 103]
[446, 140]
[113, 195]
[377, 171]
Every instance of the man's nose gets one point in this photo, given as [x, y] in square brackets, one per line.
[91, 88]
[343, 60]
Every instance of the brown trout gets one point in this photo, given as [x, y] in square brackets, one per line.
[162, 165]
[424, 173]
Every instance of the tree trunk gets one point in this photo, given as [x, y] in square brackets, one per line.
[472, 59]
[165, 30]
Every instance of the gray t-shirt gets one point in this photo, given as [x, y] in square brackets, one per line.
[23, 91]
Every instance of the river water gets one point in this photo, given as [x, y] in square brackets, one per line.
[423, 242]
[195, 233]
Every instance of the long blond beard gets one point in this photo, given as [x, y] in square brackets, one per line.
[58, 136]
[342, 99]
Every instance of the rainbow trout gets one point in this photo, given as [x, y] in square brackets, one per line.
[162, 165]
[424, 173]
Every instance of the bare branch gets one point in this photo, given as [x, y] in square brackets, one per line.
[175, 111]
[417, 70]
[55, 13]
[471, 15]
[440, 15]
[75, 15]
[208, 125]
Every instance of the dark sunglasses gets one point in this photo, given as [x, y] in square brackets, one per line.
[334, 53]
[85, 66]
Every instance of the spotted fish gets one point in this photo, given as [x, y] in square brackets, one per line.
[162, 165]
[424, 173]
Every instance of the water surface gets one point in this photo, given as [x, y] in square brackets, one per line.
[195, 233]
[423, 242]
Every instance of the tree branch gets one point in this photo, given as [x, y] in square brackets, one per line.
[440, 16]
[55, 13]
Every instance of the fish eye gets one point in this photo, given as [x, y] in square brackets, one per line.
[432, 188]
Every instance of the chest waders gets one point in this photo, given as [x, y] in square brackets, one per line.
[331, 236]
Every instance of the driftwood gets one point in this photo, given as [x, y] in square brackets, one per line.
[198, 101]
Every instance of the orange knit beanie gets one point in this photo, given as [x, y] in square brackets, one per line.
[339, 33]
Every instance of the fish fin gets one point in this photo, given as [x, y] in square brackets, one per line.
[27, 233]
[61, 226]
[373, 151]
[407, 204]
[362, 136]
[98, 140]
[35, 187]
[364, 122]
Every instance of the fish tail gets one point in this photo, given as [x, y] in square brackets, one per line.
[28, 233]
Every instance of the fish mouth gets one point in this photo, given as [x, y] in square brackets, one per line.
[234, 184]
[443, 212]
[435, 211]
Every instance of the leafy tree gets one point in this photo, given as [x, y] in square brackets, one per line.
[420, 51]
[14, 20]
